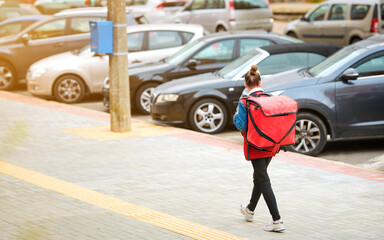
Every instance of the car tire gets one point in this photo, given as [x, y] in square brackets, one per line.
[69, 89]
[311, 134]
[354, 39]
[8, 78]
[292, 34]
[208, 116]
[221, 29]
[143, 97]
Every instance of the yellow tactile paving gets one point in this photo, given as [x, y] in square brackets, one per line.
[139, 129]
[159, 219]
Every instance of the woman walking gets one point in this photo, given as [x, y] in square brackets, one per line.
[259, 159]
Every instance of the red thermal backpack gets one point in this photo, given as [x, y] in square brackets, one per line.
[271, 122]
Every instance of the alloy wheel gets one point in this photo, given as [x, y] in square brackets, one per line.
[208, 117]
[308, 136]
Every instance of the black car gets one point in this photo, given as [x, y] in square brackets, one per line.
[50, 35]
[207, 102]
[206, 54]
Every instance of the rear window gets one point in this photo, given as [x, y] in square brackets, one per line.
[246, 4]
[382, 11]
[359, 11]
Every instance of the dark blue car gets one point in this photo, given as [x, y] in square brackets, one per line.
[341, 97]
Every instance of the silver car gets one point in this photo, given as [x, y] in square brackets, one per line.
[339, 21]
[226, 15]
[69, 76]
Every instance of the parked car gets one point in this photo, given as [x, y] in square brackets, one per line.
[207, 102]
[49, 36]
[87, 70]
[341, 97]
[15, 25]
[54, 6]
[10, 10]
[204, 55]
[339, 21]
[226, 15]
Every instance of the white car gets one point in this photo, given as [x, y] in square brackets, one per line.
[70, 76]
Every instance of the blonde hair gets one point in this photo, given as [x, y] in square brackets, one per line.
[252, 77]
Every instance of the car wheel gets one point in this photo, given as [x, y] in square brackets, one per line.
[220, 29]
[208, 116]
[292, 34]
[69, 89]
[143, 97]
[311, 134]
[354, 39]
[7, 76]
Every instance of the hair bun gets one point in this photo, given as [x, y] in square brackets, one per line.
[253, 70]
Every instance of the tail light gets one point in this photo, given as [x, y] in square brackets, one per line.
[231, 10]
[87, 2]
[159, 7]
[375, 25]
[267, 2]
[375, 21]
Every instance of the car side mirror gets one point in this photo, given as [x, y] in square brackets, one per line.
[350, 74]
[192, 63]
[25, 38]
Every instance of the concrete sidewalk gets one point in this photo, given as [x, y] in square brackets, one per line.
[64, 175]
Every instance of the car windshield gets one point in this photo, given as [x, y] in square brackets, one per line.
[230, 70]
[333, 62]
[180, 55]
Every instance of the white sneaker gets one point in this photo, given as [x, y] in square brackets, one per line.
[248, 214]
[275, 226]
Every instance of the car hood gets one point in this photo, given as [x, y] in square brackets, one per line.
[61, 59]
[191, 83]
[7, 39]
[151, 67]
[286, 80]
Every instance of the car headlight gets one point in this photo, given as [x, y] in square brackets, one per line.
[277, 93]
[36, 73]
[167, 98]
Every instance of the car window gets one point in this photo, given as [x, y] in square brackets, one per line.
[238, 65]
[246, 4]
[319, 13]
[163, 39]
[14, 28]
[286, 61]
[198, 4]
[187, 36]
[135, 2]
[221, 51]
[371, 67]
[382, 11]
[81, 24]
[135, 42]
[48, 30]
[215, 4]
[359, 11]
[246, 45]
[10, 13]
[337, 12]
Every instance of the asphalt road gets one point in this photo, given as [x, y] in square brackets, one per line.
[365, 153]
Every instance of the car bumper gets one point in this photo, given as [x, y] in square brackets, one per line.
[173, 113]
[236, 26]
[40, 86]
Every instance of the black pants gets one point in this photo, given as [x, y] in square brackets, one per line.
[262, 185]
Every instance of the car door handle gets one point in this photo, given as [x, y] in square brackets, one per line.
[60, 44]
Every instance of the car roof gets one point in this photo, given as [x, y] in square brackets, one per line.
[165, 26]
[248, 33]
[351, 1]
[325, 49]
[370, 42]
[23, 18]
